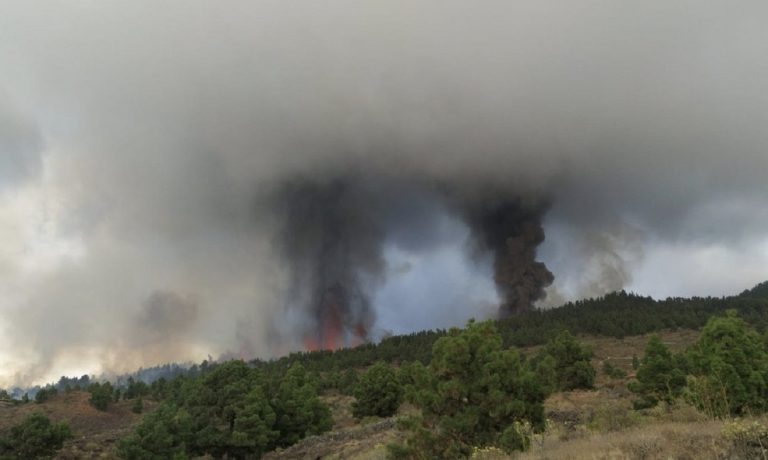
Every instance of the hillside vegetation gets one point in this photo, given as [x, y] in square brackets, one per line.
[631, 375]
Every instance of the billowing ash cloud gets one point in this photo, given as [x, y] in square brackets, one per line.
[512, 231]
[276, 165]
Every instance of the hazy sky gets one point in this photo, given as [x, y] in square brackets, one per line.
[137, 139]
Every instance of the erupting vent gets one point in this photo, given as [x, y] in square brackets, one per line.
[335, 330]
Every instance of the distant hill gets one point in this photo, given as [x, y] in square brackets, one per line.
[619, 314]
[758, 292]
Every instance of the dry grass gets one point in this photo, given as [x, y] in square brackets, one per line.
[663, 440]
[362, 442]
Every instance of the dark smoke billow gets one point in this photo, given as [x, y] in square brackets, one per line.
[512, 231]
[333, 231]
[333, 244]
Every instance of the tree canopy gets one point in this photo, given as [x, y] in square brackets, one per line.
[474, 393]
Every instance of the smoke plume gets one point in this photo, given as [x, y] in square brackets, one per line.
[332, 242]
[512, 231]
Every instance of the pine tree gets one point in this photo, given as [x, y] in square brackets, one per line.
[474, 393]
[729, 363]
[378, 393]
[572, 361]
[658, 376]
[299, 410]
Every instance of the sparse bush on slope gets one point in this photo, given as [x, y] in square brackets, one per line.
[659, 377]
[35, 438]
[571, 362]
[729, 367]
[378, 393]
[474, 393]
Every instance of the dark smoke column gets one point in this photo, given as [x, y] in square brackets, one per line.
[511, 231]
[332, 243]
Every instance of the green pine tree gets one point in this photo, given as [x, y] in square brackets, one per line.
[378, 393]
[473, 393]
[729, 364]
[298, 408]
[658, 376]
[572, 362]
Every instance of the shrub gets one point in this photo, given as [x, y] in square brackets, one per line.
[658, 376]
[612, 371]
[138, 406]
[35, 437]
[748, 440]
[378, 393]
[101, 395]
[299, 410]
[729, 365]
[612, 417]
[572, 365]
[44, 394]
[474, 393]
[348, 382]
[163, 434]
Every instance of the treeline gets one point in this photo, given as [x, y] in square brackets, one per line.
[618, 315]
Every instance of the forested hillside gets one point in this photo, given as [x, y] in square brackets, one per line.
[617, 315]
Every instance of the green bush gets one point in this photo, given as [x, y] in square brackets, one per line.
[44, 394]
[36, 437]
[348, 382]
[473, 394]
[378, 393]
[612, 371]
[659, 377]
[163, 434]
[101, 395]
[572, 362]
[299, 411]
[138, 406]
[729, 365]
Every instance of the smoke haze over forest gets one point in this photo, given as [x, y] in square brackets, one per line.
[266, 176]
